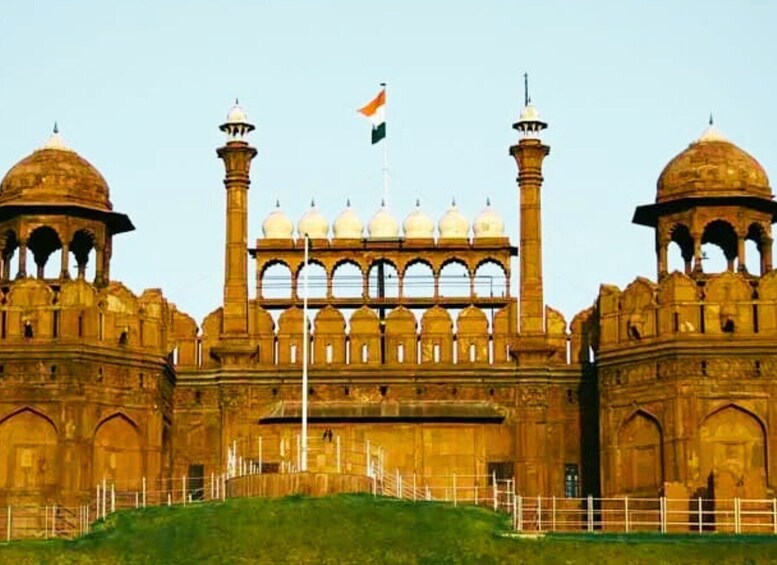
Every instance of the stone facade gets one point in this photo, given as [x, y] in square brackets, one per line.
[667, 382]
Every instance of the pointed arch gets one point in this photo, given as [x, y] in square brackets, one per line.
[117, 451]
[28, 453]
[733, 439]
[640, 449]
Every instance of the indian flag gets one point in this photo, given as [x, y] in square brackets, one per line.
[376, 112]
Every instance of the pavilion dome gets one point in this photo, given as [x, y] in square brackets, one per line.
[383, 225]
[488, 223]
[418, 224]
[55, 175]
[712, 166]
[348, 224]
[453, 224]
[313, 223]
[277, 225]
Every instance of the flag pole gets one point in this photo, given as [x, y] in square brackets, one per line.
[304, 435]
[385, 153]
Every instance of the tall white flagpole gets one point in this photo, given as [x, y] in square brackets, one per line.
[304, 437]
[385, 151]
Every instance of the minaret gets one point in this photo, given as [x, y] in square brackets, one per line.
[529, 154]
[237, 155]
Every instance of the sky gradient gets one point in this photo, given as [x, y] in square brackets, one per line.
[139, 89]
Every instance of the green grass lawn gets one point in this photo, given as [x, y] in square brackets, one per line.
[361, 530]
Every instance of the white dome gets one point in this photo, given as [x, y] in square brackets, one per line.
[488, 223]
[418, 225]
[453, 224]
[237, 115]
[278, 225]
[313, 223]
[383, 225]
[348, 225]
[529, 114]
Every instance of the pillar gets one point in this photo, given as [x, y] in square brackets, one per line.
[766, 255]
[697, 267]
[663, 267]
[22, 260]
[64, 272]
[741, 264]
[99, 273]
[529, 154]
[237, 155]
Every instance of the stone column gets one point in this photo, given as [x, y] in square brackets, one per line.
[529, 155]
[64, 272]
[766, 255]
[237, 155]
[99, 273]
[663, 267]
[741, 265]
[22, 260]
[697, 267]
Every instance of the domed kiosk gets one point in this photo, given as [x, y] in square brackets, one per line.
[55, 199]
[712, 192]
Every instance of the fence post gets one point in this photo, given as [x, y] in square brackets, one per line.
[429, 494]
[46, 521]
[54, 521]
[87, 519]
[414, 491]
[337, 446]
[553, 515]
[515, 511]
[105, 495]
[590, 509]
[374, 486]
[737, 516]
[169, 497]
[183, 489]
[520, 513]
[662, 513]
[539, 513]
[476, 491]
[223, 487]
[113, 498]
[97, 506]
[367, 458]
[496, 499]
[774, 514]
[626, 513]
[8, 525]
[260, 455]
[455, 501]
[144, 492]
[701, 517]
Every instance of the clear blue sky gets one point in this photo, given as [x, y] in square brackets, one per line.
[139, 89]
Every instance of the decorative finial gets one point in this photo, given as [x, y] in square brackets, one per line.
[56, 128]
[382, 202]
[347, 202]
[453, 202]
[237, 102]
[526, 98]
[712, 122]
[488, 201]
[417, 202]
[312, 202]
[277, 202]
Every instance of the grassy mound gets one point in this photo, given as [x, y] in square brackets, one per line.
[360, 529]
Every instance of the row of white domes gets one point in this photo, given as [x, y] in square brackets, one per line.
[417, 224]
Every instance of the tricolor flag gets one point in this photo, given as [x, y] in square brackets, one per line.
[376, 111]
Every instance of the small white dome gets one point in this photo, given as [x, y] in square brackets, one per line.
[278, 225]
[453, 224]
[488, 223]
[418, 224]
[313, 223]
[383, 225]
[237, 115]
[348, 225]
[529, 114]
[712, 133]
